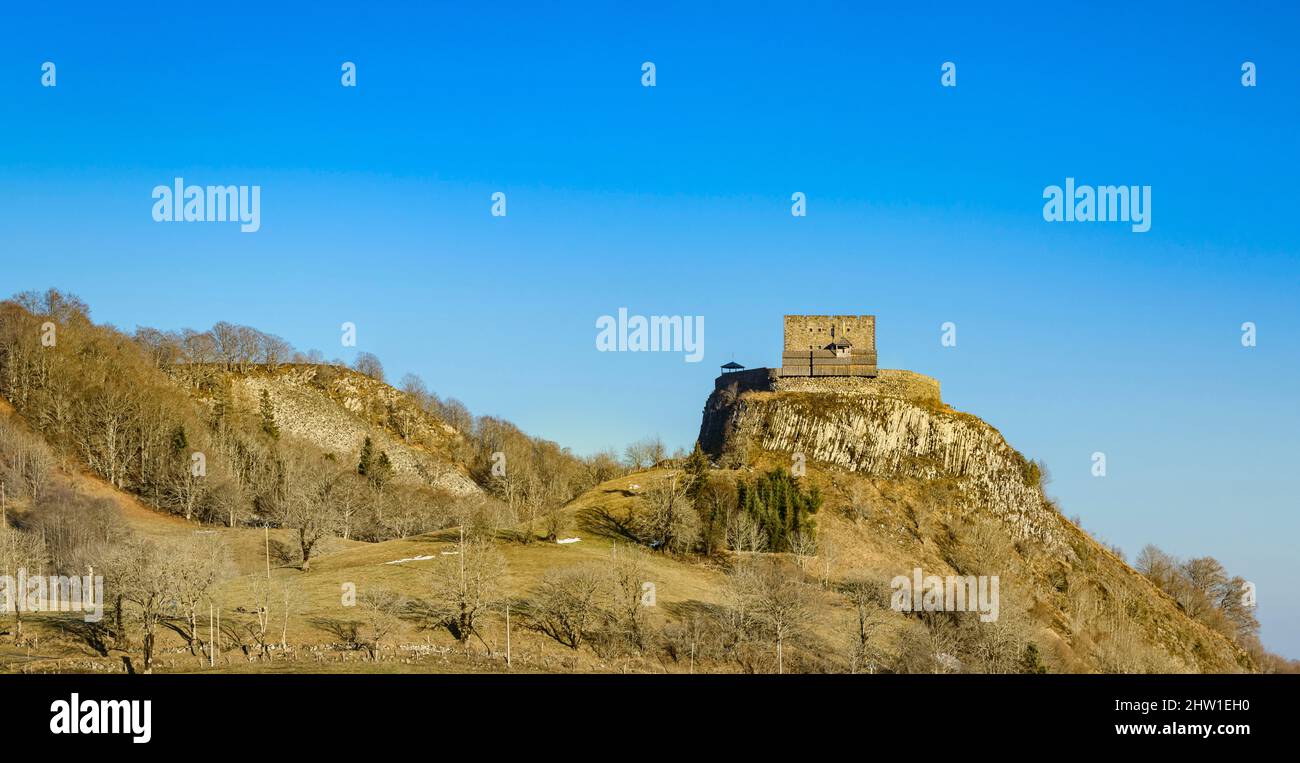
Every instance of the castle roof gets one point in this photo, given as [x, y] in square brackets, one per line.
[733, 365]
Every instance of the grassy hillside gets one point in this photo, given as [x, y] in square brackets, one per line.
[917, 484]
[332, 522]
[877, 543]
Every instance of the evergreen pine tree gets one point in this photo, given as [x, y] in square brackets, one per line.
[220, 408]
[697, 470]
[1031, 661]
[268, 416]
[382, 471]
[780, 506]
[179, 441]
[364, 466]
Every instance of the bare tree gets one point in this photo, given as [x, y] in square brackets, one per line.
[1238, 613]
[106, 426]
[715, 503]
[26, 462]
[201, 563]
[744, 533]
[668, 521]
[379, 611]
[552, 505]
[601, 467]
[858, 498]
[1207, 581]
[185, 489]
[627, 575]
[457, 415]
[466, 585]
[803, 546]
[301, 500]
[482, 516]
[19, 550]
[259, 628]
[533, 504]
[869, 599]
[347, 496]
[827, 558]
[226, 341]
[291, 596]
[368, 364]
[644, 453]
[145, 572]
[777, 598]
[200, 347]
[567, 603]
[274, 350]
[1157, 566]
[415, 388]
[226, 498]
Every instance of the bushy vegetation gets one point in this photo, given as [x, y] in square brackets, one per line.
[1206, 591]
[694, 510]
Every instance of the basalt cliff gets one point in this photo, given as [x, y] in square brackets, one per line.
[913, 482]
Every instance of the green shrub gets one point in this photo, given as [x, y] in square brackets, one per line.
[780, 506]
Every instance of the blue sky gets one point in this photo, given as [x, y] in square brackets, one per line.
[924, 206]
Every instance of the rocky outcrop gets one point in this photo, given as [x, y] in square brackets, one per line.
[336, 409]
[919, 450]
[887, 436]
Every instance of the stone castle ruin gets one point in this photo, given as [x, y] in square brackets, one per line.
[829, 345]
[829, 353]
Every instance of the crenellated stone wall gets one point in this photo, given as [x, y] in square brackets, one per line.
[759, 379]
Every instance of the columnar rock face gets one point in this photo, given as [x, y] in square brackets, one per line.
[916, 458]
[900, 438]
[890, 431]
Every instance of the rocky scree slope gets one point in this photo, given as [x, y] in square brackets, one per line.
[335, 409]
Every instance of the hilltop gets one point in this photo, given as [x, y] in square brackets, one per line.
[919, 484]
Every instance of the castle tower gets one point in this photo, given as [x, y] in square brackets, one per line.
[829, 345]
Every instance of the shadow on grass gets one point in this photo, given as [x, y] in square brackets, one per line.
[693, 609]
[94, 635]
[599, 520]
[348, 632]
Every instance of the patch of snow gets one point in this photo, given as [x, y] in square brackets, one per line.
[412, 559]
[568, 540]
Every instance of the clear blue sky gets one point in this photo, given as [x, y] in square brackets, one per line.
[924, 206]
